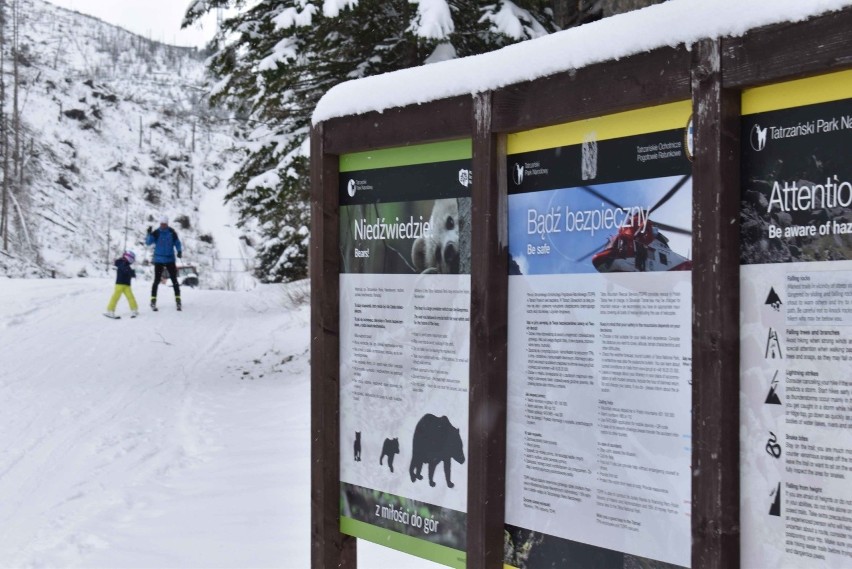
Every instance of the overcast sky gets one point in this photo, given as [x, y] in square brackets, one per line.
[159, 19]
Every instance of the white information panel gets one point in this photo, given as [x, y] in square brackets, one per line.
[404, 348]
[600, 300]
[796, 325]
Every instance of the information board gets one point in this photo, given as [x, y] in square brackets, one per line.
[404, 347]
[599, 361]
[796, 324]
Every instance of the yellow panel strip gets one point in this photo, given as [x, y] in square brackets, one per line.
[628, 123]
[798, 93]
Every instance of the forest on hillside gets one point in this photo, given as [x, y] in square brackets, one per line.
[274, 59]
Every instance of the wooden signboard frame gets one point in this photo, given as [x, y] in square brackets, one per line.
[713, 74]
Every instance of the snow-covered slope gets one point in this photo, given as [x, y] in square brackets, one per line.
[170, 440]
[115, 134]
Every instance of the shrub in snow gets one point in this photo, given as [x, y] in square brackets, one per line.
[183, 222]
[153, 196]
[156, 171]
[76, 114]
[63, 181]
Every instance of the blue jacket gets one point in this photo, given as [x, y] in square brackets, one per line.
[123, 271]
[165, 243]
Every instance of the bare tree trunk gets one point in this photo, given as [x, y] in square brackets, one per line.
[570, 13]
[613, 7]
[16, 111]
[192, 162]
[108, 244]
[58, 51]
[564, 12]
[22, 220]
[4, 132]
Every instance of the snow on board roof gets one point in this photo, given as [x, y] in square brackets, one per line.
[673, 23]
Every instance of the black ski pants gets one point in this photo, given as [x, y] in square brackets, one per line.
[158, 274]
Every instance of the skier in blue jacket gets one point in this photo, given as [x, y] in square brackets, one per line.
[166, 242]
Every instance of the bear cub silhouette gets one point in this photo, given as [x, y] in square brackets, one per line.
[357, 446]
[435, 440]
[389, 449]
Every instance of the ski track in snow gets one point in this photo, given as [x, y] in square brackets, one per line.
[170, 440]
[113, 424]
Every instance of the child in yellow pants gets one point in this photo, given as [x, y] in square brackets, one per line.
[124, 272]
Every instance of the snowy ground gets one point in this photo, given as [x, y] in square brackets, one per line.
[171, 440]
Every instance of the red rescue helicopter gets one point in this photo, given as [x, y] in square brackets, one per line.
[638, 248]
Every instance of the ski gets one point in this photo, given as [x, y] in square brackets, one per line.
[112, 316]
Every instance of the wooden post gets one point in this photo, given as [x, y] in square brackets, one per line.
[488, 332]
[329, 547]
[715, 315]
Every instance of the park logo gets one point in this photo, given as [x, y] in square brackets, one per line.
[758, 137]
[465, 177]
[689, 139]
[354, 186]
[518, 174]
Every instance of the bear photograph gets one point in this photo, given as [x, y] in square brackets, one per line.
[436, 241]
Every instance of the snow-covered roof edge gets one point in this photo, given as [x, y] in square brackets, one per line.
[673, 23]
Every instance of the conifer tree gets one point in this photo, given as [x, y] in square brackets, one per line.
[275, 59]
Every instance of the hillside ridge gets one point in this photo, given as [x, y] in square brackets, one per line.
[115, 132]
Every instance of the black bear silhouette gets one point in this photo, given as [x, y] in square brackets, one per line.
[357, 446]
[435, 440]
[389, 449]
